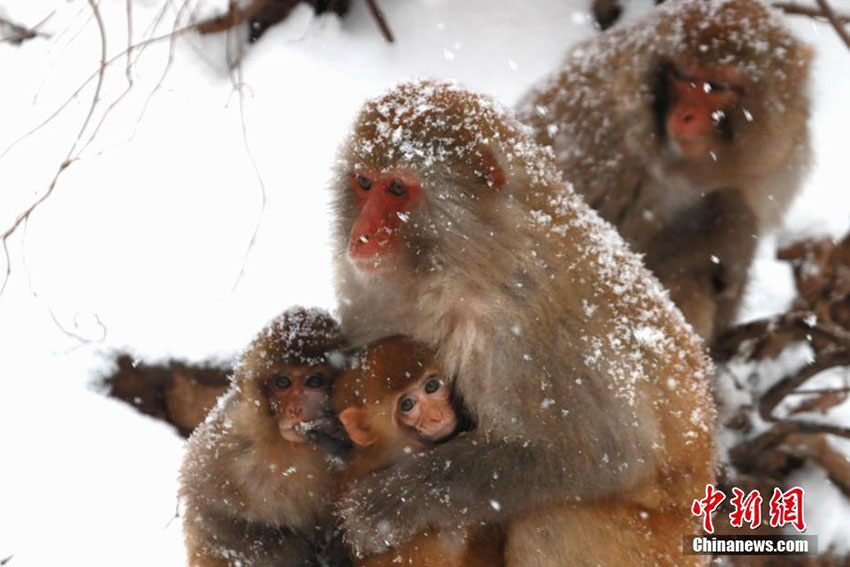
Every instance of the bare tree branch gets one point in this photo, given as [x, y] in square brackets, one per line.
[774, 395]
[379, 18]
[238, 79]
[818, 449]
[69, 159]
[795, 9]
[835, 21]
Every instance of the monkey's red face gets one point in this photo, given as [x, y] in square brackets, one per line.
[384, 201]
[700, 103]
[427, 408]
[298, 394]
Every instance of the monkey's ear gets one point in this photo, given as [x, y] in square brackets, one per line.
[354, 421]
[491, 172]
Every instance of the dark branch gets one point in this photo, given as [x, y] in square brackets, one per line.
[382, 22]
[774, 396]
[835, 21]
[20, 33]
[796, 10]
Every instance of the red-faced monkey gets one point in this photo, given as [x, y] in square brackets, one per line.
[394, 403]
[689, 132]
[256, 494]
[585, 383]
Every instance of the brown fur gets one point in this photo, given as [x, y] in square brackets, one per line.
[252, 498]
[697, 220]
[587, 386]
[386, 369]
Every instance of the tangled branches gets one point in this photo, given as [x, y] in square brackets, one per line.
[789, 424]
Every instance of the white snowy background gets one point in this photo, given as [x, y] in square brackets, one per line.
[147, 231]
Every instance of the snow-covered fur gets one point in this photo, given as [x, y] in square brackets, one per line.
[585, 381]
[250, 496]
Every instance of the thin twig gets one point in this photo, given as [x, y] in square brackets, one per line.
[238, 85]
[73, 154]
[797, 10]
[93, 76]
[820, 391]
[69, 159]
[172, 45]
[835, 21]
[129, 69]
[382, 22]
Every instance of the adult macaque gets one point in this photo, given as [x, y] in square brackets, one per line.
[586, 385]
[689, 132]
[394, 403]
[255, 493]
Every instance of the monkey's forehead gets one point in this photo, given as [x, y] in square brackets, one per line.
[741, 33]
[426, 123]
[440, 128]
[744, 33]
[306, 336]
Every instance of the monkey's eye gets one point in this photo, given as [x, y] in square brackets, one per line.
[315, 381]
[282, 382]
[406, 404]
[364, 182]
[397, 188]
[432, 385]
[677, 73]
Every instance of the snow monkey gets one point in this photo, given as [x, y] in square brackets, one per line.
[689, 132]
[585, 383]
[256, 494]
[394, 403]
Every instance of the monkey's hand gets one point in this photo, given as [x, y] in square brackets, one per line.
[327, 433]
[478, 478]
[456, 484]
[379, 513]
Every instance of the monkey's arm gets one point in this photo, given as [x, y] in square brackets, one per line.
[468, 481]
[704, 260]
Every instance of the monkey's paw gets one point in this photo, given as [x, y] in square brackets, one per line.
[376, 518]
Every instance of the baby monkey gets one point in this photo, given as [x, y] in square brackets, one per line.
[394, 403]
[256, 493]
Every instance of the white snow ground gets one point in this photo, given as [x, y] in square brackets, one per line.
[147, 231]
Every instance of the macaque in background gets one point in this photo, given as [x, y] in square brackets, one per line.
[394, 403]
[255, 493]
[586, 385]
[689, 132]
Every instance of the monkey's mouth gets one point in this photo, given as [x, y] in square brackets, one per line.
[372, 253]
[439, 433]
[380, 261]
[290, 432]
[692, 146]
